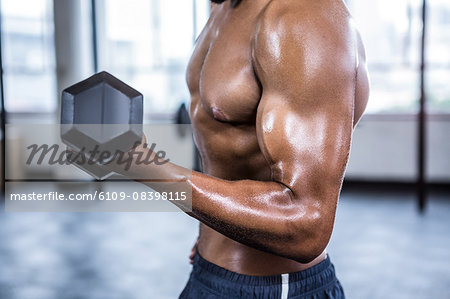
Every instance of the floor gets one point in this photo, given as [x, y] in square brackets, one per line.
[381, 247]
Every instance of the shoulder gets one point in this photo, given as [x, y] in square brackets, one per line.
[304, 31]
[305, 23]
[296, 14]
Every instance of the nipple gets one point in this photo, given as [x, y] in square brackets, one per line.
[218, 114]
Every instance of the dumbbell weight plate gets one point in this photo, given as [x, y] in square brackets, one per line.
[101, 113]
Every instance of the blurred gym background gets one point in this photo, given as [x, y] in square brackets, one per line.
[391, 237]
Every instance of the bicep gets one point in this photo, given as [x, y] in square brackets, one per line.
[307, 150]
[305, 116]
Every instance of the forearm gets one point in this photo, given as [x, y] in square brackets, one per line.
[263, 215]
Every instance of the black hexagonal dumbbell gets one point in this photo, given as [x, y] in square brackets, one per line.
[100, 115]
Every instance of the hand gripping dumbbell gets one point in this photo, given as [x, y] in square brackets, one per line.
[100, 115]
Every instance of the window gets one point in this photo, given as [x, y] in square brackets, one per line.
[391, 31]
[28, 55]
[438, 56]
[147, 43]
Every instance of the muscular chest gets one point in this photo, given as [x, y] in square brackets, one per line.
[220, 75]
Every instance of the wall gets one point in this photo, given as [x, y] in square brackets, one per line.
[384, 148]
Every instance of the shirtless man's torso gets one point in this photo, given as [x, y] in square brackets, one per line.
[276, 89]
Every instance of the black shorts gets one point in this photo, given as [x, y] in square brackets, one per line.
[209, 281]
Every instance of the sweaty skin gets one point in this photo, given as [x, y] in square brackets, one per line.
[277, 87]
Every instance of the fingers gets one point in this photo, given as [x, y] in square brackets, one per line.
[193, 251]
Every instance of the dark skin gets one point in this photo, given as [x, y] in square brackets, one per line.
[277, 88]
